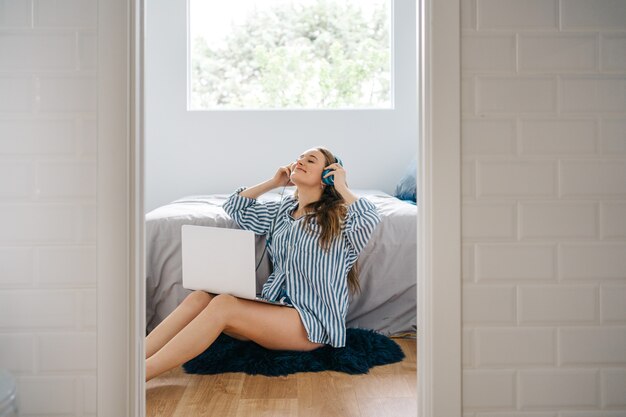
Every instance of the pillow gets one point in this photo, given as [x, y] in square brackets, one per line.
[407, 187]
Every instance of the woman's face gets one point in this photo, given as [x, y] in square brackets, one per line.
[308, 168]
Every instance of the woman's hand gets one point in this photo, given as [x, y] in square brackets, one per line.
[339, 182]
[283, 176]
[338, 174]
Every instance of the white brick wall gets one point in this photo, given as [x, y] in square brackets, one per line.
[544, 208]
[48, 203]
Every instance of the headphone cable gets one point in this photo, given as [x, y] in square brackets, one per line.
[268, 239]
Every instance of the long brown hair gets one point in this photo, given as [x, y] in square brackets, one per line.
[330, 212]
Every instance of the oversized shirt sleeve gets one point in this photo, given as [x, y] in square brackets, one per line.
[250, 214]
[361, 220]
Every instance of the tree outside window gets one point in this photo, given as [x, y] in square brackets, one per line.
[324, 54]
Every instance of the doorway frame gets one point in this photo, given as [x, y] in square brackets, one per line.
[120, 211]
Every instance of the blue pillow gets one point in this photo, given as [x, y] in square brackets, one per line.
[407, 187]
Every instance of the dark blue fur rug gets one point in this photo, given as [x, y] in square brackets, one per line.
[364, 349]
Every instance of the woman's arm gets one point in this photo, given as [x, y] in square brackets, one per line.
[282, 177]
[242, 205]
[347, 195]
[361, 221]
[259, 189]
[249, 213]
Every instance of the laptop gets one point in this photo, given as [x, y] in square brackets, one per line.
[220, 261]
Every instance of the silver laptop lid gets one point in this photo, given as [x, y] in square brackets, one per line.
[219, 260]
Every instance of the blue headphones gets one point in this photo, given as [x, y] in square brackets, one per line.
[329, 180]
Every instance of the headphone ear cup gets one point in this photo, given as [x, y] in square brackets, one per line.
[330, 180]
[327, 180]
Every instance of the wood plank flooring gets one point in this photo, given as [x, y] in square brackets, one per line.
[389, 390]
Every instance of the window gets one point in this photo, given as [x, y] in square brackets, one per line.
[299, 54]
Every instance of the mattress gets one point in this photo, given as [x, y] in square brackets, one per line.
[387, 265]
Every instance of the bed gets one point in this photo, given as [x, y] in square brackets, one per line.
[388, 266]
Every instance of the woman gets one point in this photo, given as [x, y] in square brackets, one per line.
[314, 239]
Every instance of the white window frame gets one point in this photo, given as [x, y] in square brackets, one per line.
[120, 215]
[391, 73]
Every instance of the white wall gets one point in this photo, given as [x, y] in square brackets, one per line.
[48, 203]
[204, 152]
[544, 208]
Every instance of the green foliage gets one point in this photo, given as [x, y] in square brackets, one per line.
[323, 55]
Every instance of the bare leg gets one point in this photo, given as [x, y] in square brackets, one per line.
[273, 327]
[191, 306]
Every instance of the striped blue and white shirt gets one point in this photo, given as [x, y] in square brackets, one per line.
[315, 280]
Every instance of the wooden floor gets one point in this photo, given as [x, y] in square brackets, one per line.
[389, 390]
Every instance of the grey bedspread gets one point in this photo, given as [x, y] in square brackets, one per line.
[388, 265]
